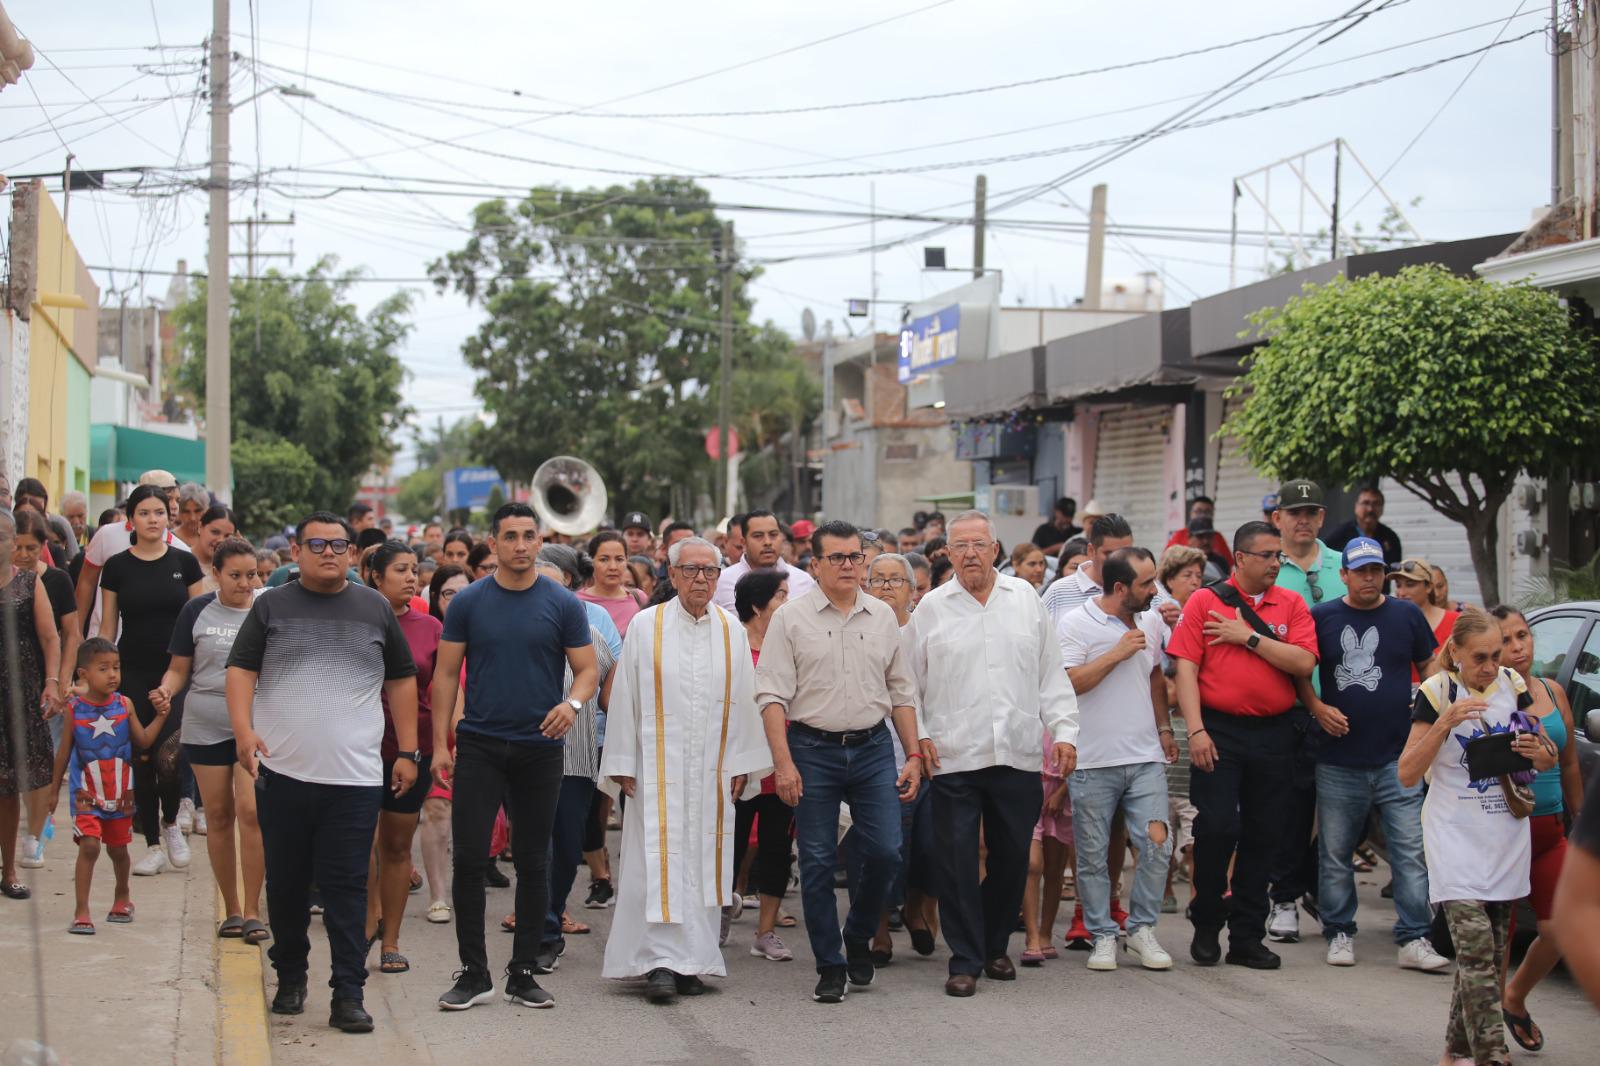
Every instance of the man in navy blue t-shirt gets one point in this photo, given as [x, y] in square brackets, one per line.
[1367, 644]
[517, 632]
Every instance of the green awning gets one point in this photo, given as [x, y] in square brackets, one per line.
[121, 453]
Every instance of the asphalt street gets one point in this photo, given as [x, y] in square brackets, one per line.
[762, 1014]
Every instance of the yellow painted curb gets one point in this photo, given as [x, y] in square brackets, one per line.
[241, 999]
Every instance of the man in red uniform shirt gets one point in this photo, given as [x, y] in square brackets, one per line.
[1235, 683]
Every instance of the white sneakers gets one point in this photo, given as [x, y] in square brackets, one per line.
[1342, 950]
[186, 814]
[1418, 954]
[1284, 923]
[1142, 945]
[151, 862]
[177, 847]
[1104, 954]
[30, 851]
[200, 822]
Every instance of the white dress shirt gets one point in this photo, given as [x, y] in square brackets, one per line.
[800, 582]
[989, 676]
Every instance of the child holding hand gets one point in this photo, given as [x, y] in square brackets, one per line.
[96, 759]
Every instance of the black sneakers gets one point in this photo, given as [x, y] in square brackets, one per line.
[600, 894]
[472, 987]
[1205, 949]
[1255, 956]
[523, 990]
[493, 877]
[291, 999]
[549, 956]
[831, 985]
[858, 962]
[350, 1016]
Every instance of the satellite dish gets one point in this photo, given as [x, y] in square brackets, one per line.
[808, 324]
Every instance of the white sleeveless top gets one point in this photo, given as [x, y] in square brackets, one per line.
[1476, 849]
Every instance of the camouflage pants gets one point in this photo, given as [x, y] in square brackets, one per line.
[1475, 1029]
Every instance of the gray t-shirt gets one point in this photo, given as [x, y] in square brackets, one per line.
[204, 633]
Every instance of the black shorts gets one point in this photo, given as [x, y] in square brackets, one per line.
[411, 801]
[222, 753]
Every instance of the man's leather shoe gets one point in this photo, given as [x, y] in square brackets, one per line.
[291, 999]
[660, 986]
[1255, 956]
[1205, 949]
[350, 1016]
[999, 968]
[961, 985]
[688, 984]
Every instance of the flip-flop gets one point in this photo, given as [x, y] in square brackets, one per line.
[1032, 957]
[232, 928]
[1049, 952]
[572, 928]
[121, 912]
[256, 931]
[82, 927]
[1523, 1023]
[416, 880]
[786, 921]
[393, 962]
[14, 890]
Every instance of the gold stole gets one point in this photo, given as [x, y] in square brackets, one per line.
[661, 751]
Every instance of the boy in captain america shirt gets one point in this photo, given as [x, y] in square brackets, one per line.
[96, 758]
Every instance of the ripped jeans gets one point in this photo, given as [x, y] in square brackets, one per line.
[1140, 790]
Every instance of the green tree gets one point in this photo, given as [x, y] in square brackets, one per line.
[421, 494]
[1451, 386]
[308, 367]
[775, 398]
[602, 332]
[274, 483]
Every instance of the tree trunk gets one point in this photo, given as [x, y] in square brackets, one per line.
[1483, 541]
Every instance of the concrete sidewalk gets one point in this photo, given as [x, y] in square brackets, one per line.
[162, 989]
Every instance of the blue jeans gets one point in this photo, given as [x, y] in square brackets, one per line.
[1140, 790]
[1345, 795]
[862, 776]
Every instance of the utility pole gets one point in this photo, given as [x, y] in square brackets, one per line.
[725, 486]
[980, 206]
[1094, 270]
[1338, 160]
[1555, 102]
[219, 408]
[251, 237]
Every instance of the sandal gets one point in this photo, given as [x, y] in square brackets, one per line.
[786, 921]
[393, 962]
[1049, 952]
[377, 935]
[416, 880]
[121, 912]
[14, 890]
[1033, 957]
[572, 928]
[509, 923]
[1520, 1024]
[256, 931]
[232, 928]
[82, 927]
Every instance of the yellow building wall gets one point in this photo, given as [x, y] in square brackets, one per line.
[59, 336]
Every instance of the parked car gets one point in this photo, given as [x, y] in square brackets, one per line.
[1566, 649]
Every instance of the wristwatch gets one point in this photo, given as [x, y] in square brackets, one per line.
[1255, 638]
[576, 705]
[410, 756]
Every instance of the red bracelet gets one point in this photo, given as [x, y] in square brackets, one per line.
[914, 755]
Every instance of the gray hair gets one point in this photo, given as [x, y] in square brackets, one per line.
[917, 562]
[972, 516]
[193, 492]
[675, 552]
[70, 498]
[894, 557]
[564, 559]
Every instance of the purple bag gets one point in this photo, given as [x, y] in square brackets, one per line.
[1523, 722]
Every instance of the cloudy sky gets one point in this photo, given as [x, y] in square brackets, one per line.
[825, 110]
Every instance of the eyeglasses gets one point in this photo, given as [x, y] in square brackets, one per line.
[962, 547]
[319, 545]
[887, 583]
[691, 572]
[445, 594]
[1269, 555]
[840, 558]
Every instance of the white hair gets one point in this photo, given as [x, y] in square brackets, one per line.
[894, 557]
[193, 491]
[972, 516]
[72, 497]
[675, 552]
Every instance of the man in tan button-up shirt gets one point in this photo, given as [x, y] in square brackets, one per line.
[831, 672]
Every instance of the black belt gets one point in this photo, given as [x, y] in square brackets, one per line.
[849, 738]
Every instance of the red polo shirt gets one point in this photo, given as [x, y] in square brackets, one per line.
[1234, 679]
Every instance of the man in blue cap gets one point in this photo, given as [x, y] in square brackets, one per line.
[1367, 643]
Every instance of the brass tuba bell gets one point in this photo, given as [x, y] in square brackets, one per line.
[568, 495]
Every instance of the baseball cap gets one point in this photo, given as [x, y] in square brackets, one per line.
[1414, 568]
[161, 479]
[1299, 493]
[1269, 502]
[802, 529]
[1362, 551]
[636, 520]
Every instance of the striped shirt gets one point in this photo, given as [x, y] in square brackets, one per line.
[582, 755]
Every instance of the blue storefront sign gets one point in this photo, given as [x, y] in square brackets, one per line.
[929, 342]
[467, 488]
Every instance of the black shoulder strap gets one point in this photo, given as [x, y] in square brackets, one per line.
[1229, 595]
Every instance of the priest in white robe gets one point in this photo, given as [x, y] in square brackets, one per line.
[683, 740]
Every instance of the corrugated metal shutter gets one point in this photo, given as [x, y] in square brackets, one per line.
[1238, 489]
[1129, 474]
[1427, 533]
